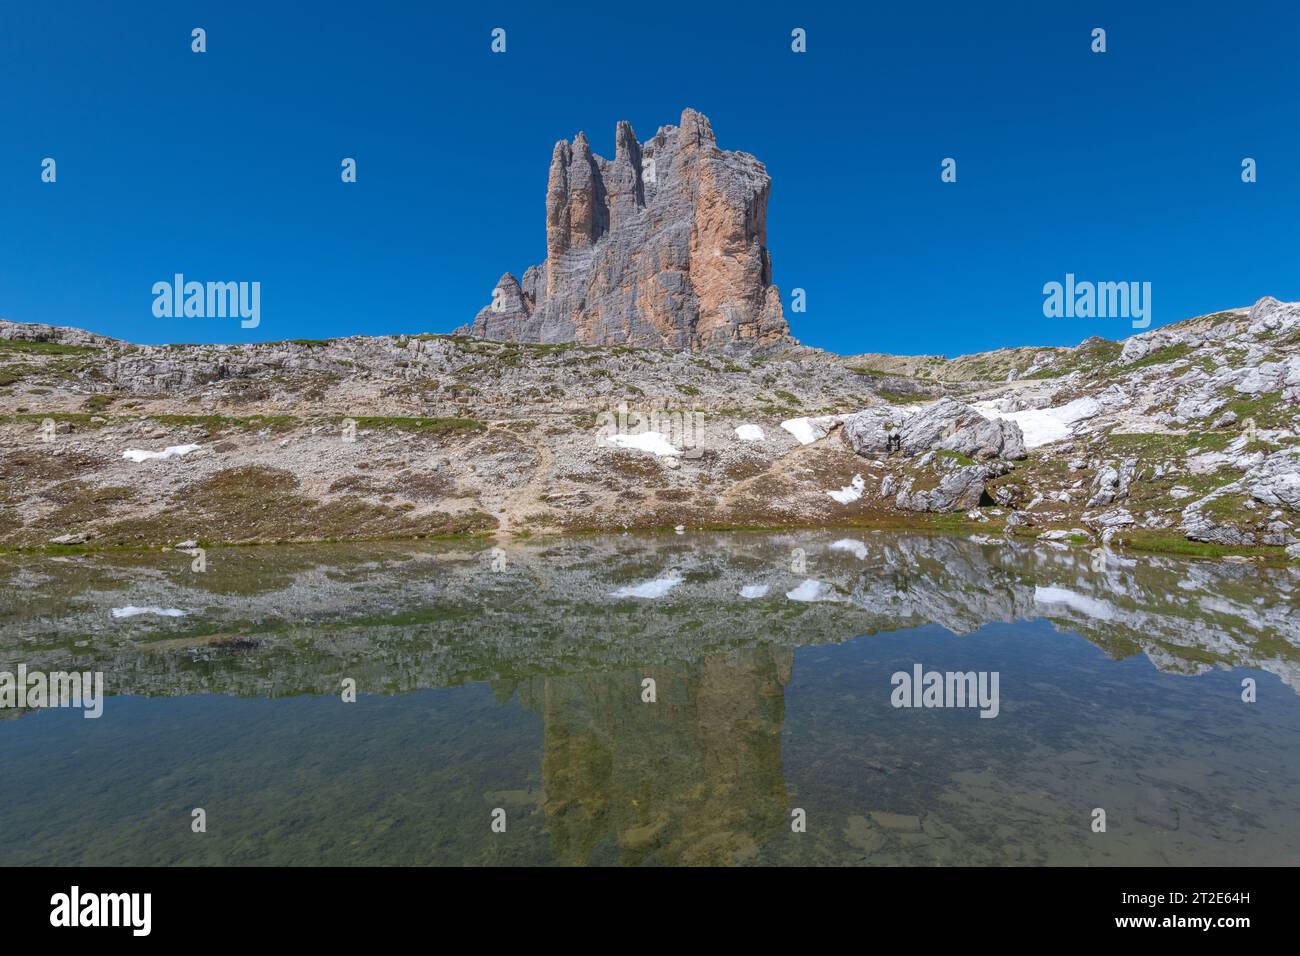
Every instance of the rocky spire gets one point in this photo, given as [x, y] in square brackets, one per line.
[665, 245]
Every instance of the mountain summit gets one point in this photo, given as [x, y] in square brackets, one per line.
[665, 246]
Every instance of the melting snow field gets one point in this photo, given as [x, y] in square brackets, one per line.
[749, 433]
[650, 589]
[808, 430]
[1042, 426]
[653, 442]
[850, 492]
[172, 451]
[132, 611]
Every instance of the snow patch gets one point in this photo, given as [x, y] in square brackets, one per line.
[1042, 426]
[850, 492]
[653, 442]
[171, 451]
[132, 611]
[753, 591]
[749, 433]
[809, 430]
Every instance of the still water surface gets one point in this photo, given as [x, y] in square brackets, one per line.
[514, 679]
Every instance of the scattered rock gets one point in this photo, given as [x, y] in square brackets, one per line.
[76, 537]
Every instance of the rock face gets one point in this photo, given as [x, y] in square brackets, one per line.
[1112, 483]
[1258, 509]
[959, 490]
[946, 425]
[664, 246]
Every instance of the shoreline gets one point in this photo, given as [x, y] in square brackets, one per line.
[1146, 543]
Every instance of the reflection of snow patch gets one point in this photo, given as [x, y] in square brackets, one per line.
[808, 430]
[850, 492]
[1042, 426]
[749, 433]
[1100, 610]
[172, 451]
[131, 611]
[848, 544]
[753, 590]
[812, 590]
[650, 589]
[653, 442]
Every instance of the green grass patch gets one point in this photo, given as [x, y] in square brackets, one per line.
[24, 347]
[419, 424]
[1267, 410]
[1161, 445]
[955, 456]
[1169, 353]
[1094, 355]
[902, 398]
[1158, 542]
[70, 418]
[217, 423]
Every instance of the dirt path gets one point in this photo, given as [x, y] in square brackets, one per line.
[527, 498]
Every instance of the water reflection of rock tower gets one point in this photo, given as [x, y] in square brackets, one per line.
[695, 778]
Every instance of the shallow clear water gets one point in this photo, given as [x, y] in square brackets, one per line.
[512, 679]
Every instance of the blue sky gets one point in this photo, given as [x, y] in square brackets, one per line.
[1122, 166]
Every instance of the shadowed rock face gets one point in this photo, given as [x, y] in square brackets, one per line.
[665, 246]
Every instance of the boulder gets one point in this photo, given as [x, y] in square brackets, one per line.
[867, 432]
[955, 426]
[1270, 315]
[1276, 480]
[958, 490]
[1112, 483]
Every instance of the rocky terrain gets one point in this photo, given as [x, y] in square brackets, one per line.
[663, 246]
[1184, 438]
[643, 376]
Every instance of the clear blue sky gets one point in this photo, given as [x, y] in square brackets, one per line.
[225, 166]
